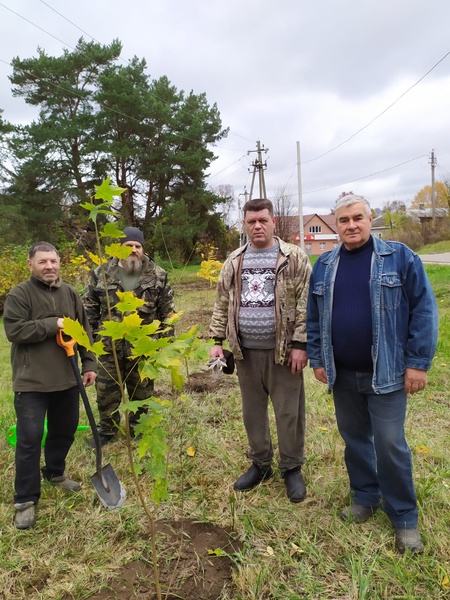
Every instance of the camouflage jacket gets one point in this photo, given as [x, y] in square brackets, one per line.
[293, 271]
[153, 287]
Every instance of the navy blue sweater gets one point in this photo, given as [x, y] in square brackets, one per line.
[352, 317]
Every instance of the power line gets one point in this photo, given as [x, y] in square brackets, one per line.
[38, 27]
[227, 167]
[381, 113]
[367, 176]
[180, 136]
[108, 108]
[56, 86]
[69, 21]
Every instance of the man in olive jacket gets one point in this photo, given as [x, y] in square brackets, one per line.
[138, 274]
[43, 380]
[260, 309]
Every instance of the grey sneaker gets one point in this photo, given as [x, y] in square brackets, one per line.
[25, 516]
[355, 513]
[65, 483]
[408, 539]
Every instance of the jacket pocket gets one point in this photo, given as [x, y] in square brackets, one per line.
[318, 293]
[319, 288]
[391, 291]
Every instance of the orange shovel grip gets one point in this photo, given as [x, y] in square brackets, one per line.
[68, 345]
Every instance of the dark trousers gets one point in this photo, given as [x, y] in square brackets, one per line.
[108, 391]
[259, 378]
[62, 412]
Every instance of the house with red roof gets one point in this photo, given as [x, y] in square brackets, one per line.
[319, 231]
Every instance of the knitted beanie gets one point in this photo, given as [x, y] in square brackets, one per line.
[132, 234]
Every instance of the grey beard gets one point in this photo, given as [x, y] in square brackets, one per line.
[132, 265]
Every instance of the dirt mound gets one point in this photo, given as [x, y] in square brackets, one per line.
[195, 564]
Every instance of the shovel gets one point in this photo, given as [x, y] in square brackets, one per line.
[105, 481]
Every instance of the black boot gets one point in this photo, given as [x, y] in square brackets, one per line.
[295, 486]
[104, 439]
[251, 478]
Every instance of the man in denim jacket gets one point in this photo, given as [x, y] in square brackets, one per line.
[372, 333]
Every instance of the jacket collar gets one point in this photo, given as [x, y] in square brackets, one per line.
[380, 247]
[284, 247]
[46, 286]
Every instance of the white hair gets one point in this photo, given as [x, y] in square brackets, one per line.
[350, 199]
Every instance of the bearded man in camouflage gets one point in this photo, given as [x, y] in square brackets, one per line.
[139, 274]
[261, 309]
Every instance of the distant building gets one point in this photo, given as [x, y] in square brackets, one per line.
[320, 233]
[381, 229]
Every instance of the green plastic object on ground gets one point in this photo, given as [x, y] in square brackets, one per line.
[12, 439]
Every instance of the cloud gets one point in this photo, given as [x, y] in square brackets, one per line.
[314, 72]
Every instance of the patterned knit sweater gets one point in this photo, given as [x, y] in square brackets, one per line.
[256, 313]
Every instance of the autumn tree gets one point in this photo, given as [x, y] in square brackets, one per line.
[423, 198]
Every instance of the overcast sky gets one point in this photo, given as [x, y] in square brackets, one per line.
[363, 85]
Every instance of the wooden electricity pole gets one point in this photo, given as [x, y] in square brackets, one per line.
[242, 235]
[300, 200]
[432, 162]
[258, 167]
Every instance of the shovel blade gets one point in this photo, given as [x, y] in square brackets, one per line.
[108, 487]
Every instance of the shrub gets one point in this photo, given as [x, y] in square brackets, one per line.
[14, 269]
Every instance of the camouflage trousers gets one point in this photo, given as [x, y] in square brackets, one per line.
[108, 391]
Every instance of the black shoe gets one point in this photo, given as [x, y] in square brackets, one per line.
[104, 439]
[251, 478]
[295, 486]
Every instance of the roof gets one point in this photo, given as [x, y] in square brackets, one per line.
[328, 220]
[427, 213]
[416, 214]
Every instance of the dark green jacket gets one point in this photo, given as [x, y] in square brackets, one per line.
[32, 309]
[153, 287]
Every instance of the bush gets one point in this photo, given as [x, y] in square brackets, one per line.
[74, 269]
[14, 269]
[416, 235]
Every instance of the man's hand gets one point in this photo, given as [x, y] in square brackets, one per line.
[89, 377]
[321, 375]
[415, 380]
[216, 351]
[298, 359]
[60, 322]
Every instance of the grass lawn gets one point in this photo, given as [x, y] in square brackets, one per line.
[287, 551]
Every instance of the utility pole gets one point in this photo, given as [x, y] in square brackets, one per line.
[259, 166]
[300, 200]
[242, 235]
[432, 162]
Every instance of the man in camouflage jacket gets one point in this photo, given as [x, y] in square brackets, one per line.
[260, 309]
[139, 274]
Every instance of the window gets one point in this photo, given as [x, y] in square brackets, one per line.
[315, 229]
[322, 245]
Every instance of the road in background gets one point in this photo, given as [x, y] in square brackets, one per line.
[436, 259]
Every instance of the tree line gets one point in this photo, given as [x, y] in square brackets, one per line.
[96, 118]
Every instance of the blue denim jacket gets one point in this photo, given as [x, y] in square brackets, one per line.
[404, 315]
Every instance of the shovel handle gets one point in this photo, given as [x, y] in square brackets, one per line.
[68, 345]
